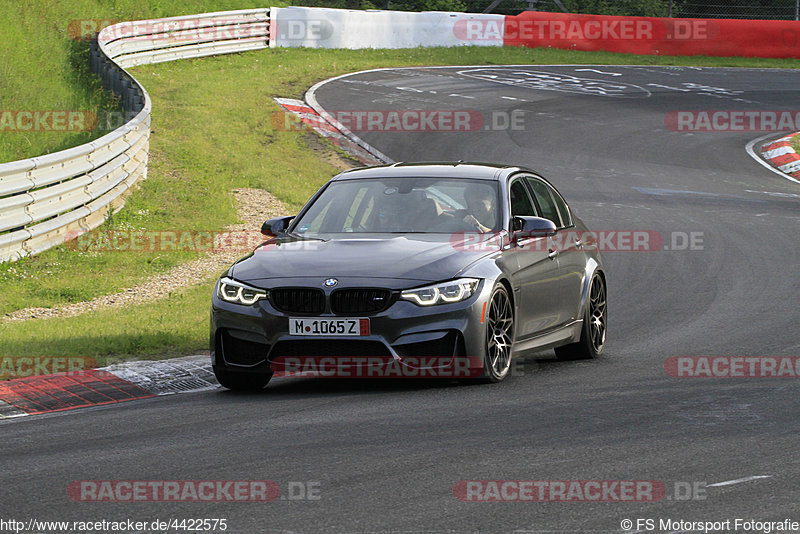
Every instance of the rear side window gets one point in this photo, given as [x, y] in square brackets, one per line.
[563, 209]
[520, 201]
[545, 201]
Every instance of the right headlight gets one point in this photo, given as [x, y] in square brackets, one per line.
[232, 291]
[442, 293]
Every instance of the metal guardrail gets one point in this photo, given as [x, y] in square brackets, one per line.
[50, 199]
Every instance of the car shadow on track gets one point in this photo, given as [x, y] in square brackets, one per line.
[523, 368]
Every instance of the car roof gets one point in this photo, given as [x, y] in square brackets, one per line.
[443, 169]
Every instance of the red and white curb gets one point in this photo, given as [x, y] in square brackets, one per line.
[109, 385]
[781, 155]
[308, 116]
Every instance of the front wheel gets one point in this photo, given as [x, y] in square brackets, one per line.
[499, 336]
[593, 331]
[241, 381]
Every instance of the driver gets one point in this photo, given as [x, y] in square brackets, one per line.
[480, 207]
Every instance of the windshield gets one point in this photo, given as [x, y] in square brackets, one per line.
[403, 205]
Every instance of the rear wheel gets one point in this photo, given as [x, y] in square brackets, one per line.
[593, 332]
[499, 336]
[241, 381]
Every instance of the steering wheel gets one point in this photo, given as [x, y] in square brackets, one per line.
[474, 223]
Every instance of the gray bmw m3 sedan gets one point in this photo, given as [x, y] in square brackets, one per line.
[412, 269]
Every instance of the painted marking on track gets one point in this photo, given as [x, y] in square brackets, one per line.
[550, 81]
[599, 72]
[7, 411]
[461, 96]
[711, 89]
[663, 71]
[410, 89]
[669, 192]
[775, 194]
[718, 92]
[655, 191]
[668, 87]
[739, 481]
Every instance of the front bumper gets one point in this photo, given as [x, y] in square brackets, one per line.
[256, 338]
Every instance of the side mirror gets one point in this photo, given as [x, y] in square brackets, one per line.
[524, 227]
[276, 226]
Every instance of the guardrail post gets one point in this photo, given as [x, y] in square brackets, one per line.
[94, 54]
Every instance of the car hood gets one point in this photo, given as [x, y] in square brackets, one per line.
[407, 257]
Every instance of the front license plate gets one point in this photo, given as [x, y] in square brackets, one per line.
[322, 326]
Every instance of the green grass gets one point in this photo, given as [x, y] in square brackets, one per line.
[795, 142]
[44, 68]
[212, 132]
[173, 326]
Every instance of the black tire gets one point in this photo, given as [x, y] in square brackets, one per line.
[593, 331]
[499, 336]
[241, 381]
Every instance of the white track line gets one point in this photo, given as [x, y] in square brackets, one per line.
[738, 481]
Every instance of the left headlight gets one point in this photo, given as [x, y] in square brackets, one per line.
[442, 293]
[239, 293]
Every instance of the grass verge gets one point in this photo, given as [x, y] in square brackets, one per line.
[174, 326]
[795, 142]
[45, 64]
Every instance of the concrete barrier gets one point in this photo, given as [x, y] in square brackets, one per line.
[314, 27]
[654, 36]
